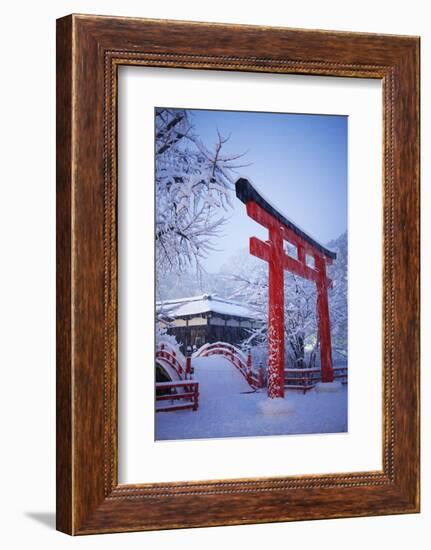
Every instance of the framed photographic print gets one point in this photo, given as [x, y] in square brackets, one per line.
[237, 274]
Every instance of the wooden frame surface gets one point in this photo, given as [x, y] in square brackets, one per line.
[89, 51]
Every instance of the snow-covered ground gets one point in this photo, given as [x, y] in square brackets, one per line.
[229, 408]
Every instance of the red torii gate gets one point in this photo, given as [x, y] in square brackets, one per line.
[281, 229]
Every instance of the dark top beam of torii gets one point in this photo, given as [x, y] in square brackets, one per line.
[273, 251]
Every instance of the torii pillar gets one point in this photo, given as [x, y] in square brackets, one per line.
[281, 229]
[275, 311]
[322, 284]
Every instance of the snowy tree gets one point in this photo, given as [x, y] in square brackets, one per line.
[193, 188]
[338, 298]
[248, 278]
[299, 311]
[300, 321]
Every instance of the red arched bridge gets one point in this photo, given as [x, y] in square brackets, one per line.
[181, 391]
[237, 358]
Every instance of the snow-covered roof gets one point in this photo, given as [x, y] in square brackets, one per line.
[246, 191]
[206, 303]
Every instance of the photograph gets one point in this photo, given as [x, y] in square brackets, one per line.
[251, 273]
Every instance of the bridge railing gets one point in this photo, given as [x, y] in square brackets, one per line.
[177, 396]
[174, 358]
[306, 379]
[237, 357]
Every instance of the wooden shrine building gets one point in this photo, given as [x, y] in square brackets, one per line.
[206, 319]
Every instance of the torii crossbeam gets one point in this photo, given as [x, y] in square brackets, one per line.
[281, 229]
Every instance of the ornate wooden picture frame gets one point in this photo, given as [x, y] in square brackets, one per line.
[89, 51]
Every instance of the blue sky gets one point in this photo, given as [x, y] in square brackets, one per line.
[299, 162]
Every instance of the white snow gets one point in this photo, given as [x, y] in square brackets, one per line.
[221, 345]
[276, 406]
[218, 379]
[204, 304]
[228, 408]
[328, 387]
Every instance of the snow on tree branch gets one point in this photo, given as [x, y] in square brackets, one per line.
[193, 188]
